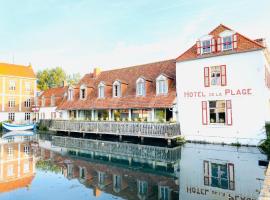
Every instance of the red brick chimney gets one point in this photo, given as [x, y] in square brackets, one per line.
[96, 72]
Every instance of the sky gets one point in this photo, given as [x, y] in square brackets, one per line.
[79, 35]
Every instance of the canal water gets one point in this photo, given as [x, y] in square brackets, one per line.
[41, 166]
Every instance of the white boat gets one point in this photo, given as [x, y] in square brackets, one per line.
[18, 127]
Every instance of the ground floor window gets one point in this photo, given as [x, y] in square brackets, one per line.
[121, 115]
[27, 116]
[164, 193]
[82, 173]
[142, 188]
[217, 112]
[11, 116]
[103, 115]
[26, 167]
[144, 115]
[220, 175]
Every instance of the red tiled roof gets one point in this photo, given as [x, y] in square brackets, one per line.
[244, 44]
[58, 92]
[128, 76]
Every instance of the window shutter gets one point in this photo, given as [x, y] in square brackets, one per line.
[235, 38]
[231, 176]
[206, 77]
[206, 172]
[198, 48]
[223, 75]
[219, 43]
[213, 45]
[204, 113]
[229, 112]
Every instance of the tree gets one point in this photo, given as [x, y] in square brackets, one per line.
[49, 78]
[73, 79]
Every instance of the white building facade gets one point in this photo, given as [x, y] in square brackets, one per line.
[223, 89]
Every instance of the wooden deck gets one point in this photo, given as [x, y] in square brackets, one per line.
[151, 130]
[127, 150]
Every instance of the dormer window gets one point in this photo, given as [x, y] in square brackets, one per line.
[227, 40]
[53, 100]
[70, 94]
[117, 89]
[140, 87]
[101, 90]
[206, 46]
[82, 92]
[43, 101]
[161, 85]
[227, 43]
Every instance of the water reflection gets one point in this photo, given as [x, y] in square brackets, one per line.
[46, 167]
[17, 163]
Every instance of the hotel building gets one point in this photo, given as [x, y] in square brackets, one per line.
[223, 86]
[139, 93]
[17, 92]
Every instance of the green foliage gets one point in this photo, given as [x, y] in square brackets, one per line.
[43, 128]
[236, 144]
[265, 145]
[46, 165]
[0, 126]
[180, 140]
[49, 78]
[73, 79]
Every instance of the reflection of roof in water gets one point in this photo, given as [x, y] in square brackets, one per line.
[6, 186]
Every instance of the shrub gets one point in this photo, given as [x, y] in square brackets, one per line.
[265, 144]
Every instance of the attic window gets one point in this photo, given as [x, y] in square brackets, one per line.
[53, 100]
[161, 85]
[43, 101]
[101, 90]
[83, 92]
[227, 43]
[206, 46]
[70, 94]
[140, 87]
[117, 89]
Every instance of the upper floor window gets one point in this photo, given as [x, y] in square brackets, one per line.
[227, 43]
[227, 40]
[11, 102]
[82, 92]
[101, 90]
[27, 103]
[206, 46]
[52, 100]
[140, 87]
[117, 89]
[27, 86]
[215, 76]
[161, 85]
[12, 85]
[142, 188]
[70, 94]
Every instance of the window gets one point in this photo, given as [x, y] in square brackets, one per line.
[101, 90]
[217, 112]
[27, 87]
[140, 88]
[27, 103]
[69, 170]
[12, 85]
[10, 152]
[70, 94]
[43, 101]
[206, 46]
[220, 175]
[11, 116]
[101, 178]
[27, 116]
[10, 170]
[82, 172]
[26, 150]
[11, 102]
[215, 76]
[164, 193]
[142, 187]
[117, 89]
[162, 85]
[82, 92]
[26, 167]
[117, 182]
[220, 112]
[52, 100]
[227, 43]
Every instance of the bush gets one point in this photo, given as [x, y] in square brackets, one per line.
[180, 140]
[43, 128]
[265, 145]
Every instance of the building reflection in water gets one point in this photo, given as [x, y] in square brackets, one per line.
[130, 171]
[17, 162]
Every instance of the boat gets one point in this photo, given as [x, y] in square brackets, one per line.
[18, 127]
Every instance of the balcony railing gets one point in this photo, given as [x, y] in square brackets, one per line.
[164, 154]
[154, 130]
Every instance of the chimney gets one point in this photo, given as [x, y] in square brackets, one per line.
[96, 72]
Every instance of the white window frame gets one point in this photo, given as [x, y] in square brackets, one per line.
[12, 85]
[217, 117]
[223, 42]
[117, 85]
[27, 103]
[140, 87]
[202, 46]
[11, 102]
[101, 90]
[70, 94]
[10, 152]
[43, 101]
[27, 116]
[83, 88]
[225, 34]
[27, 86]
[53, 100]
[11, 116]
[162, 89]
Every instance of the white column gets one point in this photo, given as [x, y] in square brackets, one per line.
[153, 115]
[77, 115]
[3, 93]
[129, 115]
[92, 115]
[110, 115]
[19, 159]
